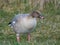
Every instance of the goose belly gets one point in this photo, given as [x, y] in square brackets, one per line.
[25, 25]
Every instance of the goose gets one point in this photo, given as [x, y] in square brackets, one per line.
[25, 23]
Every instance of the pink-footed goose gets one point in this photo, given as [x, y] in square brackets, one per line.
[25, 23]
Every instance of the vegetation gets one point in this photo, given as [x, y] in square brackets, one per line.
[47, 31]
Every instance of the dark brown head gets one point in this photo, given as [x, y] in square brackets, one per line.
[36, 14]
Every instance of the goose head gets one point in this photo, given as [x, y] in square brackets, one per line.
[36, 14]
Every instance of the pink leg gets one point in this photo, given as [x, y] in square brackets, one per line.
[29, 37]
[18, 38]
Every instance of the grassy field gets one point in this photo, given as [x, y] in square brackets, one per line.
[47, 31]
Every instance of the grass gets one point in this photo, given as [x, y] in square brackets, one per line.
[34, 42]
[47, 31]
[10, 39]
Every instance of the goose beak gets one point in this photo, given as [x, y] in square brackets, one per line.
[42, 17]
